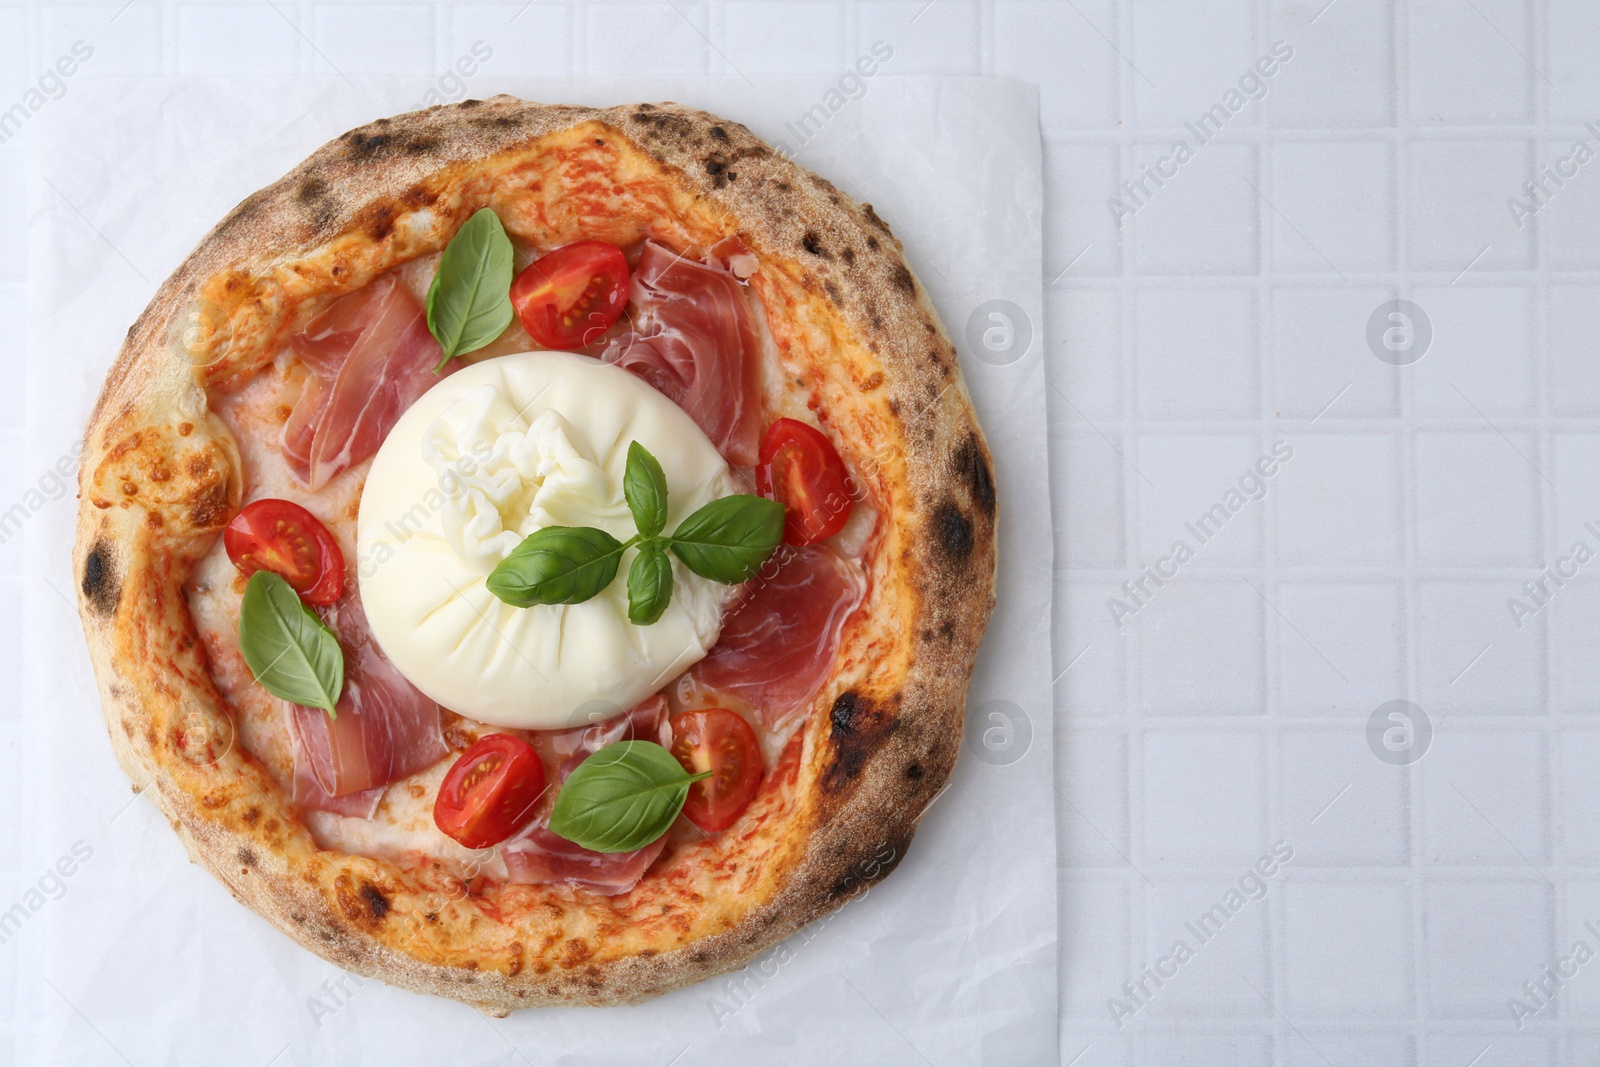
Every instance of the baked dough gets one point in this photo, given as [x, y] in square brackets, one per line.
[851, 325]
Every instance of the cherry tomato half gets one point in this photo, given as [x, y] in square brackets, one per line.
[570, 297]
[283, 537]
[491, 791]
[801, 470]
[719, 741]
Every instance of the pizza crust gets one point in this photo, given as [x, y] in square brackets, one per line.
[161, 477]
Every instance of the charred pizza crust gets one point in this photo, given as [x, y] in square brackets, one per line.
[161, 477]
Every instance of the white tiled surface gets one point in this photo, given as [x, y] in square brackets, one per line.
[1227, 314]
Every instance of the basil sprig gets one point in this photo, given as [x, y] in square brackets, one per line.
[288, 649]
[622, 798]
[726, 541]
[469, 301]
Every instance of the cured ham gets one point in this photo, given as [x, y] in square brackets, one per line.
[542, 858]
[565, 749]
[694, 339]
[539, 857]
[369, 356]
[310, 795]
[386, 729]
[779, 637]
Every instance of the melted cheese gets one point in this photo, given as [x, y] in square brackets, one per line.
[492, 453]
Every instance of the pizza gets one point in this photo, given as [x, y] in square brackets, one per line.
[536, 554]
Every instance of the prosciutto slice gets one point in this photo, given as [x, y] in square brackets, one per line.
[386, 728]
[565, 749]
[309, 795]
[779, 637]
[369, 355]
[540, 857]
[694, 339]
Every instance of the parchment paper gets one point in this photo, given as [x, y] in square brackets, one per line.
[138, 957]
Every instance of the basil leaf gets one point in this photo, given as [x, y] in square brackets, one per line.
[644, 486]
[649, 584]
[557, 565]
[622, 798]
[288, 649]
[728, 539]
[469, 302]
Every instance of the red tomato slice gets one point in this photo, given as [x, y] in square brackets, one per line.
[801, 470]
[491, 791]
[283, 537]
[570, 297]
[719, 741]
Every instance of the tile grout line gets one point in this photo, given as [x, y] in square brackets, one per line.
[1352, 134]
[1398, 873]
[1322, 573]
[1490, 724]
[1423, 276]
[1406, 470]
[1234, 426]
[1276, 819]
[1139, 896]
[1538, 29]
